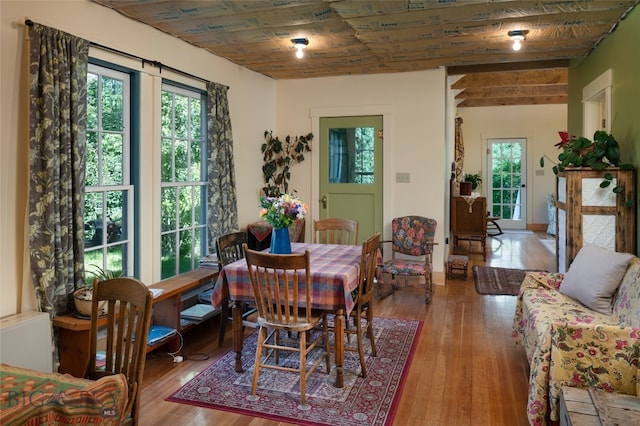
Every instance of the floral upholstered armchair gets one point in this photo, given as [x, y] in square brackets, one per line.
[411, 251]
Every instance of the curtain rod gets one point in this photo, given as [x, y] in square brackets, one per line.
[158, 64]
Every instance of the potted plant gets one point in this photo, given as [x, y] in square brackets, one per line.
[278, 158]
[475, 180]
[601, 153]
[83, 297]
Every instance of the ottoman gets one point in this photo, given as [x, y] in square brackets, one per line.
[457, 264]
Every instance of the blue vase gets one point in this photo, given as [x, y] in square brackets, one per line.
[280, 241]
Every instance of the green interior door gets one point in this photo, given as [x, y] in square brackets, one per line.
[351, 171]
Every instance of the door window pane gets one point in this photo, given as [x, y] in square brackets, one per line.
[351, 155]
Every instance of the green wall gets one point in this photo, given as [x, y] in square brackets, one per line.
[619, 51]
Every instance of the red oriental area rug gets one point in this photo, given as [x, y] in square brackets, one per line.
[370, 401]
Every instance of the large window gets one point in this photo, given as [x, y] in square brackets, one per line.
[108, 215]
[183, 180]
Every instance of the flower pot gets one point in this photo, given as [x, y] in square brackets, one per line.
[83, 300]
[465, 188]
[280, 241]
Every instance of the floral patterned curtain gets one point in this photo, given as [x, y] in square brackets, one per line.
[57, 121]
[459, 149]
[222, 203]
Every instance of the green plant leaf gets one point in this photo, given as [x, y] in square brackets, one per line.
[598, 165]
[541, 161]
[618, 189]
[600, 136]
[582, 143]
[605, 183]
[613, 154]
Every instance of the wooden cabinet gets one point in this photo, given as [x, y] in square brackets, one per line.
[588, 214]
[469, 221]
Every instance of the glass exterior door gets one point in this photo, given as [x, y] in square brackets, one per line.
[506, 186]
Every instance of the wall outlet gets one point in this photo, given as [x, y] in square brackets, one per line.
[403, 177]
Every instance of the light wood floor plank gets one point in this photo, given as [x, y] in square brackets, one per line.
[466, 369]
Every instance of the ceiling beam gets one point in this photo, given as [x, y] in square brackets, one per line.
[507, 66]
[513, 91]
[513, 78]
[535, 100]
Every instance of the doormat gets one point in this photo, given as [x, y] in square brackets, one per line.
[498, 281]
[370, 401]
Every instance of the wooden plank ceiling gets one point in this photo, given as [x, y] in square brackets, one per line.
[350, 37]
[514, 87]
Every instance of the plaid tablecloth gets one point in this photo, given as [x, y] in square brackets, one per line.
[334, 274]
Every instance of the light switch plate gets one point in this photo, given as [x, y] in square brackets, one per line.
[403, 177]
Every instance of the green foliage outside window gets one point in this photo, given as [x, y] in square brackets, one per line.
[506, 179]
[107, 190]
[183, 177]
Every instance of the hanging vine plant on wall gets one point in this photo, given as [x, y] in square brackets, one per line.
[278, 158]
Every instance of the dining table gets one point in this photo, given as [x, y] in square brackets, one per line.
[334, 273]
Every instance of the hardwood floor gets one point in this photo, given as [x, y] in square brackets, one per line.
[466, 369]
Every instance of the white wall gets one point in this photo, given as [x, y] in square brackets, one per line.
[251, 98]
[538, 124]
[413, 105]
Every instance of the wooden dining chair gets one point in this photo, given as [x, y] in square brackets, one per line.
[229, 249]
[282, 290]
[362, 313]
[127, 319]
[335, 231]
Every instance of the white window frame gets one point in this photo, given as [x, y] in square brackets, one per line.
[201, 248]
[126, 186]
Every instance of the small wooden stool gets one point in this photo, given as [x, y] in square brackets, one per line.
[459, 263]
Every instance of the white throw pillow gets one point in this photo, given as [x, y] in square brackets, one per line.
[594, 276]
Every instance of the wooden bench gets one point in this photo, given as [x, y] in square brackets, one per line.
[74, 331]
[457, 264]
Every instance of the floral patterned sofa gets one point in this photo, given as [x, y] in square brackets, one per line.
[569, 344]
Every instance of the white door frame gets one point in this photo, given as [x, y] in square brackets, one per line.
[505, 223]
[596, 100]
